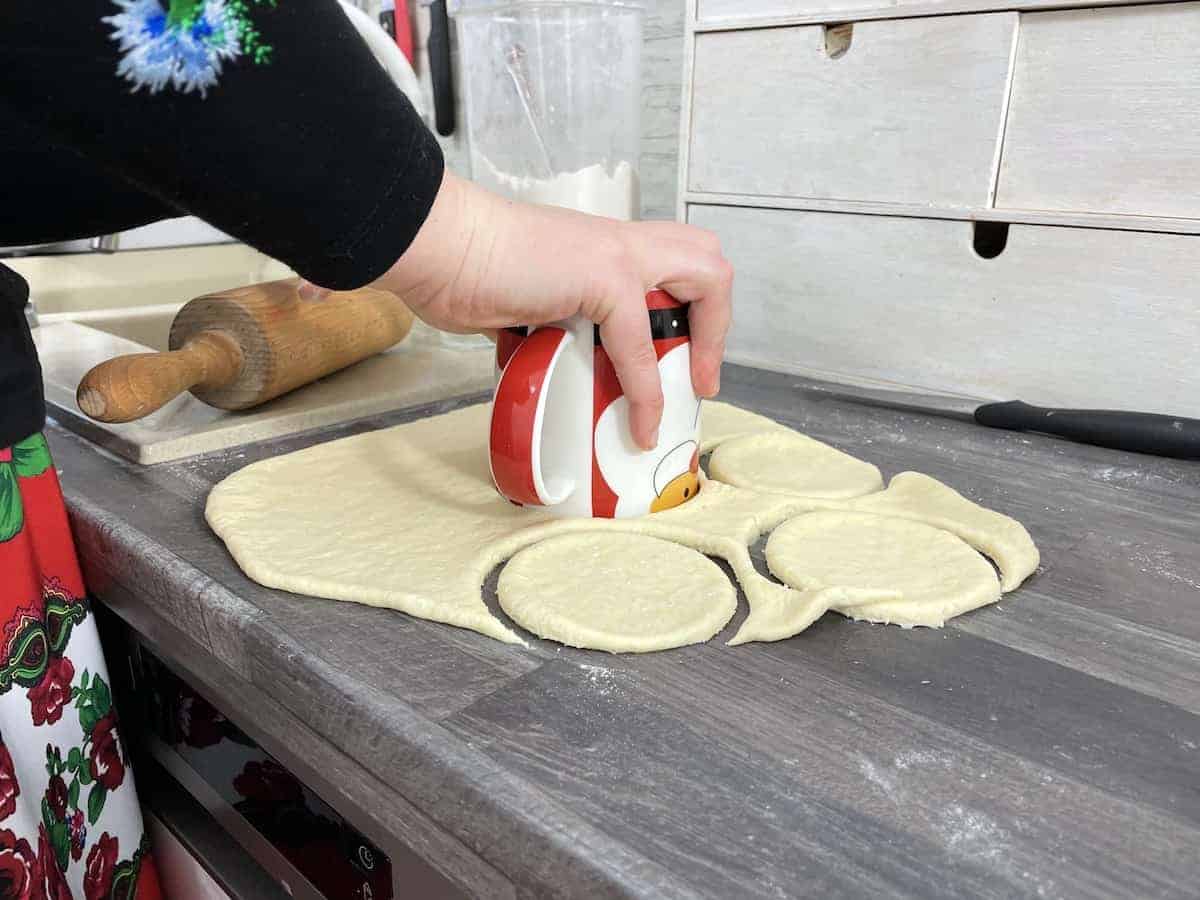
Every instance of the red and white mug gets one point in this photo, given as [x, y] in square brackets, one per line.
[560, 423]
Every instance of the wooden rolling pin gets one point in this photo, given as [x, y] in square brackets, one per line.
[236, 349]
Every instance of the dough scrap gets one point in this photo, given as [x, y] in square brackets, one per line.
[781, 612]
[938, 574]
[390, 518]
[911, 495]
[721, 422]
[616, 592]
[407, 518]
[787, 462]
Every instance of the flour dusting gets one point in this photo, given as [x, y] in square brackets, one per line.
[909, 782]
[1161, 563]
[970, 833]
[915, 758]
[878, 778]
[600, 678]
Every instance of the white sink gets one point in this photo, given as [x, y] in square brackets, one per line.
[81, 282]
[148, 326]
[99, 310]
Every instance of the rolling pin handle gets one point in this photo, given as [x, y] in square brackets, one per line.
[130, 387]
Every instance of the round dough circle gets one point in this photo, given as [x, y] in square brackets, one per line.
[616, 592]
[937, 573]
[788, 462]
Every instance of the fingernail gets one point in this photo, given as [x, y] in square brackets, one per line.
[653, 439]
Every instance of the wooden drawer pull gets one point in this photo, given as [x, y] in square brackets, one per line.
[837, 39]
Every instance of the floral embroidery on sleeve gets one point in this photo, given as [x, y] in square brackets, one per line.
[186, 43]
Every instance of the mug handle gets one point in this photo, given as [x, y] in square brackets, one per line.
[518, 417]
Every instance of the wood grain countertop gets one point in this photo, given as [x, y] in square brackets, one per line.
[1048, 746]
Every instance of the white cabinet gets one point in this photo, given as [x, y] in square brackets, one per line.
[845, 188]
[1105, 113]
[1062, 316]
[910, 112]
[725, 14]
[726, 10]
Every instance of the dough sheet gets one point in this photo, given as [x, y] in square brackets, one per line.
[598, 590]
[784, 461]
[407, 518]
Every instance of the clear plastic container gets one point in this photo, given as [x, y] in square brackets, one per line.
[553, 100]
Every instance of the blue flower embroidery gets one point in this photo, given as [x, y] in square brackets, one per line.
[184, 46]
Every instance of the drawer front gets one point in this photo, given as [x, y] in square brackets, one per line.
[738, 13]
[910, 113]
[717, 11]
[1105, 113]
[1076, 317]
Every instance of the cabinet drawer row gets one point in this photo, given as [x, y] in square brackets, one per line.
[718, 15]
[1085, 110]
[1062, 316]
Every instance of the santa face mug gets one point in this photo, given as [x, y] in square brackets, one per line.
[560, 435]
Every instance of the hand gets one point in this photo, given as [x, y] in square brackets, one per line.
[481, 262]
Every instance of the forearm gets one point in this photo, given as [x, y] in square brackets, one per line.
[274, 124]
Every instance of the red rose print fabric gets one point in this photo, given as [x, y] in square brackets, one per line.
[97, 881]
[9, 788]
[105, 759]
[20, 872]
[70, 825]
[48, 698]
[268, 783]
[56, 882]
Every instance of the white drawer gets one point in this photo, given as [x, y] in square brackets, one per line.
[1075, 317]
[911, 113]
[748, 10]
[716, 14]
[1105, 113]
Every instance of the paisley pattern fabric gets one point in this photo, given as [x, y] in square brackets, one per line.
[70, 825]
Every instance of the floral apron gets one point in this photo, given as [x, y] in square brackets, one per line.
[70, 824]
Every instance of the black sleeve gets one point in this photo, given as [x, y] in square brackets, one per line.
[53, 193]
[268, 119]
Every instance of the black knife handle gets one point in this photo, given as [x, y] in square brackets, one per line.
[1139, 432]
[439, 68]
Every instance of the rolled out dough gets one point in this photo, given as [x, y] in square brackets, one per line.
[599, 590]
[786, 462]
[723, 422]
[912, 495]
[407, 518]
[937, 574]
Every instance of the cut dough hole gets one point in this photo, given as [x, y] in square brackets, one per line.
[791, 463]
[937, 574]
[616, 592]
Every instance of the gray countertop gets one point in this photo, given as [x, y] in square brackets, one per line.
[1048, 746]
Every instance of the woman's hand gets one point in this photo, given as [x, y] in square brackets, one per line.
[481, 262]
